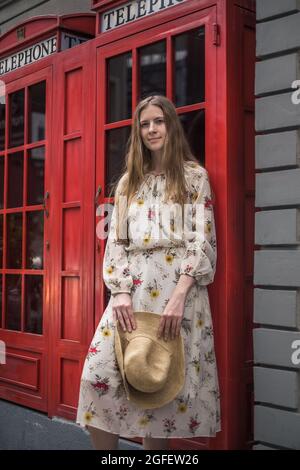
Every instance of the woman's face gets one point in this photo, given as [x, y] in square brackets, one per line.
[153, 128]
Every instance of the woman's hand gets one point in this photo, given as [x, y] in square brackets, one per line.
[170, 323]
[123, 311]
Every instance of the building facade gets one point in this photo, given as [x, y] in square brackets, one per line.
[72, 81]
[277, 229]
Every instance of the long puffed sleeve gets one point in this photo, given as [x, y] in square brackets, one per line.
[200, 257]
[116, 272]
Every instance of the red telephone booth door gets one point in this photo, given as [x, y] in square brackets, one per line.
[24, 228]
[47, 217]
[177, 59]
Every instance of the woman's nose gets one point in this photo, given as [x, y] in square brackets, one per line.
[151, 126]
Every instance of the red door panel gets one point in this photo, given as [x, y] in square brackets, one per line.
[73, 226]
[25, 157]
[182, 58]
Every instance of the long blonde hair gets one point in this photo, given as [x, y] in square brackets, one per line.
[138, 158]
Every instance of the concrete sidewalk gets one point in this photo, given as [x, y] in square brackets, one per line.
[25, 429]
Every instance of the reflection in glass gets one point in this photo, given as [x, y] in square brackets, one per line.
[1, 242]
[194, 126]
[14, 240]
[35, 237]
[16, 119]
[189, 62]
[153, 69]
[2, 123]
[35, 185]
[1, 182]
[13, 302]
[37, 106]
[116, 148]
[34, 304]
[15, 180]
[119, 73]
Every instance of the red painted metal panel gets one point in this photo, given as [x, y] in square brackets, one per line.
[70, 374]
[234, 362]
[72, 107]
[71, 239]
[36, 28]
[79, 23]
[41, 27]
[70, 314]
[72, 171]
[73, 229]
[21, 371]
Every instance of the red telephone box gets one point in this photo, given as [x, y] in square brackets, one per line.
[57, 165]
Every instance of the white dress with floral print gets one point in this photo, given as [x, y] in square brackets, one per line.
[149, 268]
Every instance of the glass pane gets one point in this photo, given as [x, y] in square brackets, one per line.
[16, 118]
[13, 302]
[153, 69]
[37, 106]
[116, 146]
[1, 182]
[2, 122]
[15, 180]
[34, 304]
[194, 126]
[36, 169]
[119, 73]
[14, 240]
[35, 237]
[189, 62]
[1, 241]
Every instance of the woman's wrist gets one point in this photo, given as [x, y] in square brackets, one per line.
[118, 293]
[184, 285]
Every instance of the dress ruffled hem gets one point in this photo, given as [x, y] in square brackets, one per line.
[148, 434]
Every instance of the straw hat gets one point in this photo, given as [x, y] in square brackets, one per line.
[152, 369]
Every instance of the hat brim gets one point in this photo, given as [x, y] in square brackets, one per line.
[176, 375]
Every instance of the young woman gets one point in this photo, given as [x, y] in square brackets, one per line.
[163, 271]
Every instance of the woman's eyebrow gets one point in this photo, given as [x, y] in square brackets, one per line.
[146, 120]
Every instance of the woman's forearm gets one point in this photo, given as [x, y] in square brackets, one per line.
[184, 285]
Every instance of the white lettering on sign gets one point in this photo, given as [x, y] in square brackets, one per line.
[28, 56]
[70, 40]
[133, 11]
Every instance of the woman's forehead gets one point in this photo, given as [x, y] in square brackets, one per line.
[151, 111]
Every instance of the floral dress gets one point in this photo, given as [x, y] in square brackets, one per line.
[148, 268]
